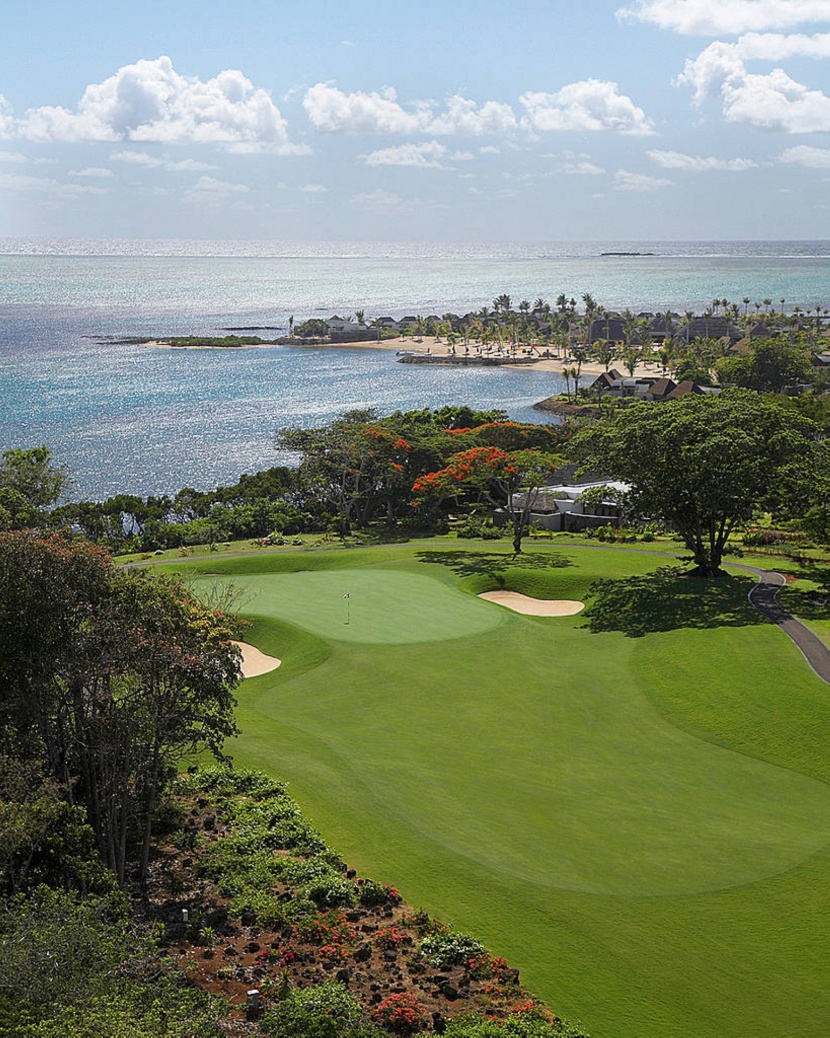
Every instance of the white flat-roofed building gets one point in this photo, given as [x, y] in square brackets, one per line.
[563, 507]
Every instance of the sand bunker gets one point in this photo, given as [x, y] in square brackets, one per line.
[534, 606]
[255, 662]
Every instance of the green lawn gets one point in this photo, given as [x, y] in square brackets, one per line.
[631, 804]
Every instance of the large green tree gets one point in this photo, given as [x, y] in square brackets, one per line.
[703, 463]
[30, 483]
[772, 365]
[109, 677]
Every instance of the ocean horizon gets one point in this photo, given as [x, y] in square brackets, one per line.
[125, 418]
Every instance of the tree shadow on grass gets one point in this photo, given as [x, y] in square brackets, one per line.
[668, 600]
[490, 563]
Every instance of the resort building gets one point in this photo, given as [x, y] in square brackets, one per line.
[573, 507]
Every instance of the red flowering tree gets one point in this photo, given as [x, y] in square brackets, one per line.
[510, 436]
[507, 479]
[357, 465]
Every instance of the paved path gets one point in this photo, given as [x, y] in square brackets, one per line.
[764, 596]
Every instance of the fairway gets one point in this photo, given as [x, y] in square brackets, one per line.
[628, 818]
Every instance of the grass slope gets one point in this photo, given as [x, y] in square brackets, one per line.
[632, 805]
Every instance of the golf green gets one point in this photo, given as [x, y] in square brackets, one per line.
[380, 607]
[641, 823]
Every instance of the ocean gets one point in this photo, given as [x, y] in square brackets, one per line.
[126, 418]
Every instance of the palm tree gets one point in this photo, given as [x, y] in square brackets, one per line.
[575, 374]
[604, 353]
[629, 325]
[631, 356]
[360, 315]
[566, 373]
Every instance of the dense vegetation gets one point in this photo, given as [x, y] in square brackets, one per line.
[706, 464]
[227, 341]
[357, 471]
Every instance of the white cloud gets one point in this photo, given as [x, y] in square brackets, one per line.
[804, 155]
[209, 191]
[150, 101]
[590, 104]
[91, 171]
[698, 164]
[725, 63]
[774, 46]
[12, 156]
[330, 110]
[730, 17]
[6, 118]
[771, 101]
[625, 181]
[421, 156]
[581, 167]
[137, 158]
[14, 182]
[382, 202]
[464, 117]
[141, 158]
[264, 148]
[314, 189]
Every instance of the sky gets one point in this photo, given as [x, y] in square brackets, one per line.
[435, 120]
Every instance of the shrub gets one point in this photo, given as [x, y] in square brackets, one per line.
[327, 1011]
[449, 948]
[332, 891]
[372, 894]
[267, 908]
[474, 528]
[401, 1012]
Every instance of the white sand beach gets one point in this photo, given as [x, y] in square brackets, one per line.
[432, 345]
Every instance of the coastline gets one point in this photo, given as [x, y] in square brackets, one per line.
[424, 345]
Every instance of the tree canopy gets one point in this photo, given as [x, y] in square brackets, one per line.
[703, 463]
[772, 365]
[496, 475]
[29, 483]
[108, 677]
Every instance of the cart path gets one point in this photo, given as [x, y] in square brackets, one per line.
[764, 596]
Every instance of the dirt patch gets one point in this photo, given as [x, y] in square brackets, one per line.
[255, 662]
[534, 606]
